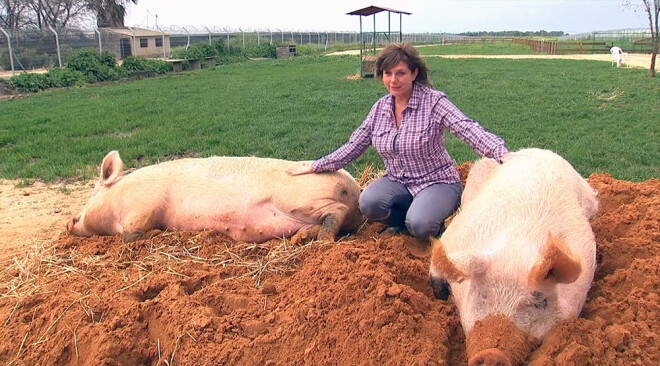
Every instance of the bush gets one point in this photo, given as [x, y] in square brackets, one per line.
[30, 82]
[220, 46]
[62, 77]
[263, 50]
[132, 63]
[95, 67]
[108, 58]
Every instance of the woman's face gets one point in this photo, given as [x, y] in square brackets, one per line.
[399, 80]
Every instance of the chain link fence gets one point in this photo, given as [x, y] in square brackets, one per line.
[28, 49]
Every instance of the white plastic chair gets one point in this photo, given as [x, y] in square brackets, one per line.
[618, 56]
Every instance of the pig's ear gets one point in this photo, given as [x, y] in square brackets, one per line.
[442, 264]
[111, 169]
[556, 262]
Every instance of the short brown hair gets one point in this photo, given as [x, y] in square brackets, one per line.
[395, 53]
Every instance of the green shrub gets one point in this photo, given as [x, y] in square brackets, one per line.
[62, 77]
[220, 46]
[30, 82]
[263, 50]
[96, 68]
[132, 63]
[108, 58]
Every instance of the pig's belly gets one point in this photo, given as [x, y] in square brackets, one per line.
[251, 223]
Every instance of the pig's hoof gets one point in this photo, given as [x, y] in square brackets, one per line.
[440, 288]
[305, 235]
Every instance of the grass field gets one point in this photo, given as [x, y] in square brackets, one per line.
[602, 119]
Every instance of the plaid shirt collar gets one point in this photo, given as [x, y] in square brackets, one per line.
[413, 102]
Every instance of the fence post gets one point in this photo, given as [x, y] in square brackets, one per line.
[208, 30]
[188, 33]
[57, 44]
[11, 55]
[99, 34]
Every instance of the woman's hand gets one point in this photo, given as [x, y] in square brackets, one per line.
[301, 167]
[506, 157]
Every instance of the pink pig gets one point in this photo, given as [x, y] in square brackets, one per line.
[246, 198]
[520, 254]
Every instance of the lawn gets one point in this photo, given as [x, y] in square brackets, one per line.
[602, 119]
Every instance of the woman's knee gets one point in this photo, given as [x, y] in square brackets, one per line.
[423, 227]
[372, 207]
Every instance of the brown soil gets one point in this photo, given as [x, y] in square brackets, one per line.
[188, 298]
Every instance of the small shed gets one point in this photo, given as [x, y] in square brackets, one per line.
[124, 42]
[368, 62]
[285, 51]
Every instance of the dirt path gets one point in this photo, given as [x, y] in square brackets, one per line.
[36, 213]
[634, 59]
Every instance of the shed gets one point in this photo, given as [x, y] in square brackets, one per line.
[286, 51]
[367, 62]
[124, 42]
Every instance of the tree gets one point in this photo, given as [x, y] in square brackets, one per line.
[13, 13]
[109, 13]
[652, 9]
[56, 13]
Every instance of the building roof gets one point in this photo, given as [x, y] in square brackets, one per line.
[138, 32]
[369, 10]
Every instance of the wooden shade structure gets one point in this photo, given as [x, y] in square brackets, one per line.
[367, 66]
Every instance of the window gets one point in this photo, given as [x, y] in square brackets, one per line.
[159, 42]
[144, 42]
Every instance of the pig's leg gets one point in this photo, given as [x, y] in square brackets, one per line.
[328, 229]
[305, 235]
[139, 225]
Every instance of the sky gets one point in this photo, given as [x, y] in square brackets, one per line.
[432, 16]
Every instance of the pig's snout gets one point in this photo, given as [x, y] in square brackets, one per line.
[440, 287]
[490, 357]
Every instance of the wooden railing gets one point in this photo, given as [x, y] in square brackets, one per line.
[558, 48]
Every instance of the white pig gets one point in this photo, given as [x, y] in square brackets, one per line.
[520, 248]
[246, 198]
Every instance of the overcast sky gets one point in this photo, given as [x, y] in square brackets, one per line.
[450, 16]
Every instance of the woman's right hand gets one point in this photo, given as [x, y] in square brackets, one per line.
[301, 167]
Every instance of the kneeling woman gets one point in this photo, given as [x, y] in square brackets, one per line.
[422, 186]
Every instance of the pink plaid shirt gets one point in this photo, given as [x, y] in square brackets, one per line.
[415, 153]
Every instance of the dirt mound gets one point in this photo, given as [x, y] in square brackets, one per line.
[193, 298]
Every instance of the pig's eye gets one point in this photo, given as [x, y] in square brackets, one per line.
[540, 301]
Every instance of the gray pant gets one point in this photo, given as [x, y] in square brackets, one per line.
[390, 203]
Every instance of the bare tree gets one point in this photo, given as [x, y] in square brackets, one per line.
[109, 13]
[56, 13]
[652, 9]
[13, 13]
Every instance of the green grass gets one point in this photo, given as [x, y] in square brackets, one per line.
[602, 119]
[477, 49]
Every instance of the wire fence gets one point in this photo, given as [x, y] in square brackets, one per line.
[630, 34]
[27, 49]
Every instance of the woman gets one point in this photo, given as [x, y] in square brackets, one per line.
[421, 187]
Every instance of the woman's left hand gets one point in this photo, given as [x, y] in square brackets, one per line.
[506, 157]
[301, 167]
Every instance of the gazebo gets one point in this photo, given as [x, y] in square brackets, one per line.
[367, 63]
